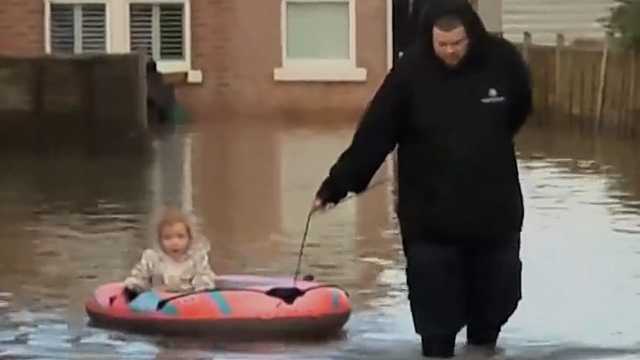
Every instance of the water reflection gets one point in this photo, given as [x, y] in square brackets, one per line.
[71, 223]
[237, 179]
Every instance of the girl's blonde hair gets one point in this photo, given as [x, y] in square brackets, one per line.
[172, 216]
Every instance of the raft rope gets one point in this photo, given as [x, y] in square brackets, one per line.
[301, 252]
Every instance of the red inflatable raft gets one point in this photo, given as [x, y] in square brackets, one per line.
[244, 310]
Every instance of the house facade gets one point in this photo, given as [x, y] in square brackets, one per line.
[544, 19]
[247, 55]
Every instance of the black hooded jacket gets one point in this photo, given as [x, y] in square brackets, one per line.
[454, 127]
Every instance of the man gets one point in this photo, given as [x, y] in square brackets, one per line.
[160, 95]
[453, 105]
[417, 8]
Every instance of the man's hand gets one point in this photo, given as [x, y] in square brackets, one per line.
[320, 205]
[317, 205]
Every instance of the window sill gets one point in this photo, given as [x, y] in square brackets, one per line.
[171, 67]
[320, 74]
[180, 68]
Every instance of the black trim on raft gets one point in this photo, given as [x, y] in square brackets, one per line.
[286, 294]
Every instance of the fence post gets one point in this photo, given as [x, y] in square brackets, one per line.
[526, 44]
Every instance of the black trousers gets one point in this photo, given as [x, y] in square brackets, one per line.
[456, 285]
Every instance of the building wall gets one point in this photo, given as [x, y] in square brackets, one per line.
[576, 19]
[21, 27]
[491, 13]
[237, 45]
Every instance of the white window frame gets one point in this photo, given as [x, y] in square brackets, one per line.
[47, 20]
[117, 31]
[390, 55]
[319, 70]
[166, 66]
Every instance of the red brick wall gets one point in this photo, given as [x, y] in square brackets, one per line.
[237, 45]
[21, 27]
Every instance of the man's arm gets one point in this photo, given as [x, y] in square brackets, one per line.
[376, 135]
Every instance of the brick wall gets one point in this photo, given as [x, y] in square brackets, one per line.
[21, 27]
[237, 45]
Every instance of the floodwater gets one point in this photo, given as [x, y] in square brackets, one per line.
[70, 223]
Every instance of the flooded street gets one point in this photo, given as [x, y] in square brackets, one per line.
[70, 223]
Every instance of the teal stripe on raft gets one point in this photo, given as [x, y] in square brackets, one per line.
[222, 303]
[170, 309]
[148, 301]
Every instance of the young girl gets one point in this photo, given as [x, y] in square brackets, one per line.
[176, 265]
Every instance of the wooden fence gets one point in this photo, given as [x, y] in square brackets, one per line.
[53, 102]
[593, 87]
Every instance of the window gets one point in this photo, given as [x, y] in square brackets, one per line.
[318, 31]
[161, 29]
[75, 28]
[158, 29]
[318, 41]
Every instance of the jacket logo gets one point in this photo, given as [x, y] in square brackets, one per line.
[493, 97]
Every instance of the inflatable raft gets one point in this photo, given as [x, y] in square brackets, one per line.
[242, 310]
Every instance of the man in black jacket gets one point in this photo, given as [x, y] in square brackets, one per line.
[452, 105]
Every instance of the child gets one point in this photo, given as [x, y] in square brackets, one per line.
[176, 266]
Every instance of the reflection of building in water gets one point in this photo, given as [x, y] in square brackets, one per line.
[376, 243]
[171, 176]
[343, 240]
[237, 192]
[172, 156]
[307, 157]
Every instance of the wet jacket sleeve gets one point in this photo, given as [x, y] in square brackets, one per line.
[140, 278]
[204, 277]
[522, 104]
[376, 135]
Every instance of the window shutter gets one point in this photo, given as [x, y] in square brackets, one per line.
[93, 28]
[62, 28]
[141, 28]
[171, 32]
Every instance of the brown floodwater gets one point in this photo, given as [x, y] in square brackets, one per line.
[71, 222]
